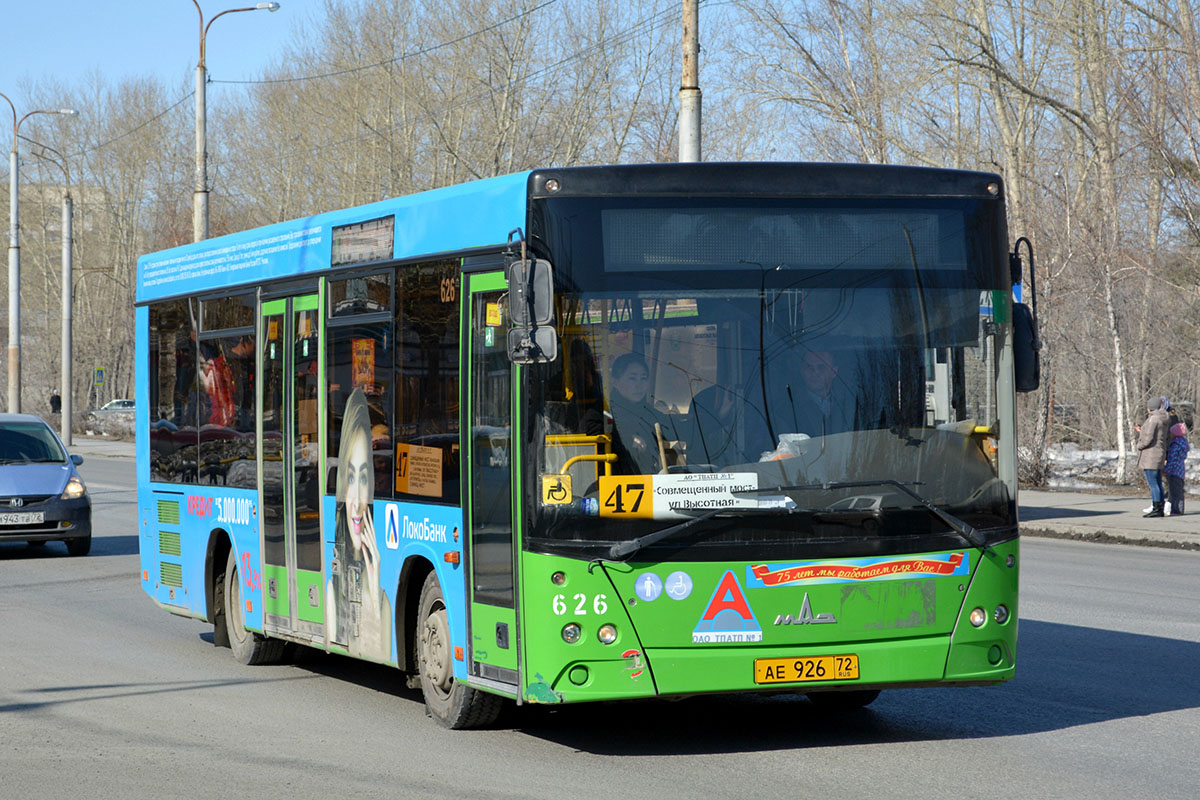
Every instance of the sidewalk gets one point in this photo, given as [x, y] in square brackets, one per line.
[1106, 518]
[99, 446]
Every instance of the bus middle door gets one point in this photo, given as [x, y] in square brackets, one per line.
[290, 410]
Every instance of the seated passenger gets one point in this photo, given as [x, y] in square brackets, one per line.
[822, 406]
[635, 441]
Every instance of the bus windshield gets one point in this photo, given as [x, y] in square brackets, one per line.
[749, 379]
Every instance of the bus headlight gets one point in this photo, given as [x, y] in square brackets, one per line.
[978, 617]
[571, 633]
[607, 634]
[1000, 614]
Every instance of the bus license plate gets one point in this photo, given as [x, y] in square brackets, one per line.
[812, 668]
[21, 517]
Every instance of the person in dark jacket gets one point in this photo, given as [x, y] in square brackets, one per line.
[1176, 468]
[1154, 435]
[55, 402]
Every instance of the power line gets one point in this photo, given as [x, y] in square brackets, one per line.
[645, 25]
[399, 58]
[132, 131]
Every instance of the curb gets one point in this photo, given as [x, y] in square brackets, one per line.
[1104, 537]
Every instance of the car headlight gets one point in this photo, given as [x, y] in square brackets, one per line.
[75, 489]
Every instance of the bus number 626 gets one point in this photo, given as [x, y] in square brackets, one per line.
[599, 604]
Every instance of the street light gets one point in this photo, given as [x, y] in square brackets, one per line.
[68, 299]
[14, 260]
[200, 195]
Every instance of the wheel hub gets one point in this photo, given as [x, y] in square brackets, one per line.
[435, 649]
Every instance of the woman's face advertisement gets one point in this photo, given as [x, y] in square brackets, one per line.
[359, 474]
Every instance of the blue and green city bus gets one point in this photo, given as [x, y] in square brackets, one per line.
[599, 433]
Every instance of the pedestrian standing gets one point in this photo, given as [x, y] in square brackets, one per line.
[1175, 467]
[55, 402]
[1153, 437]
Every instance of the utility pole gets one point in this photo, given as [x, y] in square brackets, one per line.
[200, 190]
[14, 256]
[689, 87]
[68, 302]
[68, 298]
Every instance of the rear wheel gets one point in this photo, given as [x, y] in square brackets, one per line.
[843, 701]
[453, 704]
[79, 546]
[248, 647]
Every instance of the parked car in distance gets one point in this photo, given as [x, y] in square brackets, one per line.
[115, 416]
[862, 511]
[42, 497]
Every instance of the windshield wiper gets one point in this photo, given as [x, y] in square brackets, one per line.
[963, 529]
[621, 549]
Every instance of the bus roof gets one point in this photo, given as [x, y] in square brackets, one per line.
[454, 218]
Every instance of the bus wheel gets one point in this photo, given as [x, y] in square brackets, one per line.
[843, 701]
[248, 647]
[453, 704]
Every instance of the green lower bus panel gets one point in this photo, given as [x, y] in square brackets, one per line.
[310, 587]
[275, 591]
[488, 635]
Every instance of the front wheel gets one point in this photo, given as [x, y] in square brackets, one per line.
[453, 704]
[79, 546]
[248, 647]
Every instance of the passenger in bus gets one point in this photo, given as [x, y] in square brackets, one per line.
[210, 400]
[216, 379]
[822, 406]
[358, 613]
[638, 444]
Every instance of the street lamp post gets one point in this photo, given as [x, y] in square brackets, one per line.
[689, 87]
[68, 298]
[14, 259]
[200, 194]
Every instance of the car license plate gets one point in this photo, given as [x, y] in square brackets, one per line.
[810, 668]
[22, 517]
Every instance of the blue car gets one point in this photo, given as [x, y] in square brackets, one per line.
[42, 497]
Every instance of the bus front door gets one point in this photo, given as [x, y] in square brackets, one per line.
[494, 656]
[290, 411]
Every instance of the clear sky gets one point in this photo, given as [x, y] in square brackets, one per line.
[64, 40]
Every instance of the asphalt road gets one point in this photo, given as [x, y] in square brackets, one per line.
[104, 695]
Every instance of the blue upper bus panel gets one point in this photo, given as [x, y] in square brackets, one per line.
[454, 218]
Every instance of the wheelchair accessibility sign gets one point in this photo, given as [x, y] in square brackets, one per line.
[556, 490]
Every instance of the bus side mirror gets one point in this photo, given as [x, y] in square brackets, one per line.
[532, 345]
[531, 340]
[1027, 361]
[530, 292]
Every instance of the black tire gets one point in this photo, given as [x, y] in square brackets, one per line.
[79, 546]
[248, 647]
[453, 704]
[843, 701]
